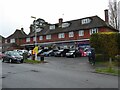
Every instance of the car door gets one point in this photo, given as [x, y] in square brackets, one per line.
[6, 57]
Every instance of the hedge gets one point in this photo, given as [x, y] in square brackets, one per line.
[106, 43]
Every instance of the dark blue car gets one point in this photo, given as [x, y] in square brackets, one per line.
[12, 57]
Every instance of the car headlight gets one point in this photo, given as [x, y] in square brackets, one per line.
[71, 53]
[13, 57]
[21, 57]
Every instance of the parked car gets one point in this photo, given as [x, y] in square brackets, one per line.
[1, 55]
[29, 52]
[53, 52]
[48, 53]
[73, 53]
[87, 51]
[22, 51]
[41, 51]
[61, 52]
[12, 56]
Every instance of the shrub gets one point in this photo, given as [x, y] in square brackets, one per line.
[101, 57]
[117, 58]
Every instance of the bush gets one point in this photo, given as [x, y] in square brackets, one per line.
[117, 58]
[106, 43]
[101, 57]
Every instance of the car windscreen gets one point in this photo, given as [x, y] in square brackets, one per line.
[60, 50]
[15, 53]
[72, 51]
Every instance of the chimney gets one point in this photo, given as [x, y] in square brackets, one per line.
[106, 15]
[31, 28]
[60, 21]
[21, 29]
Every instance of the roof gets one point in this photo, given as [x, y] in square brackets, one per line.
[1, 37]
[96, 22]
[17, 34]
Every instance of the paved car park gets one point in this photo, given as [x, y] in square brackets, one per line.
[78, 63]
[59, 72]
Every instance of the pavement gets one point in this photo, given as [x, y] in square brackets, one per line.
[59, 72]
[0, 74]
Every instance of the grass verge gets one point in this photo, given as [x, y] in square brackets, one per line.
[32, 61]
[111, 71]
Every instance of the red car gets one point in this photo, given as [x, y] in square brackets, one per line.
[1, 55]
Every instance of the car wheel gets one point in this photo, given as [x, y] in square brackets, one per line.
[10, 60]
[61, 55]
[3, 60]
[74, 56]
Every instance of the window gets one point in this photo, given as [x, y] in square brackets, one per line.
[71, 34]
[48, 36]
[94, 30]
[85, 21]
[41, 24]
[61, 35]
[5, 40]
[52, 27]
[12, 40]
[81, 33]
[34, 38]
[27, 39]
[64, 25]
[41, 38]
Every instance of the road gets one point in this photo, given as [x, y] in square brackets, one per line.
[59, 72]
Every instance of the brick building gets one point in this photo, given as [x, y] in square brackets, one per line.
[14, 40]
[68, 34]
[1, 42]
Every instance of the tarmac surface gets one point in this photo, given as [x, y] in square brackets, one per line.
[59, 72]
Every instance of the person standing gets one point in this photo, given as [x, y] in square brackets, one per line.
[91, 56]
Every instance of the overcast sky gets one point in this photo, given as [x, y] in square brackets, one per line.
[15, 14]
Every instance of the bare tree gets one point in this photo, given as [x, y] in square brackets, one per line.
[113, 17]
[118, 16]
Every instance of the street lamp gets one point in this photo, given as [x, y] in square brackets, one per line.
[35, 29]
[35, 35]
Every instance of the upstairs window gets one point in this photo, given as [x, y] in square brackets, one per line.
[5, 40]
[64, 25]
[34, 38]
[52, 27]
[71, 34]
[61, 35]
[81, 32]
[12, 40]
[85, 21]
[93, 30]
[40, 37]
[48, 37]
[27, 39]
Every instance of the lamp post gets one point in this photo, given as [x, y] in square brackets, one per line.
[35, 35]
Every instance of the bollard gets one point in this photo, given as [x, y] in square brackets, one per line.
[24, 57]
[42, 58]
